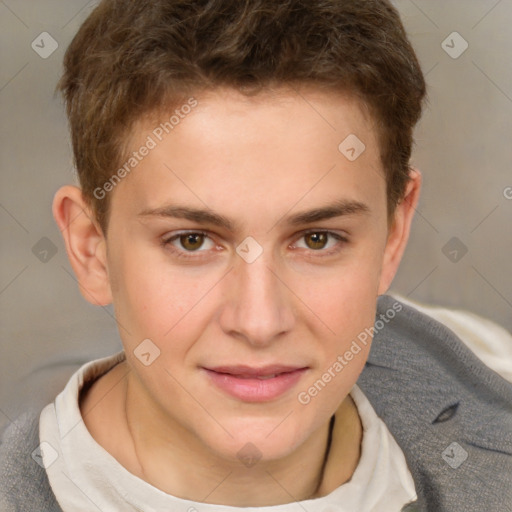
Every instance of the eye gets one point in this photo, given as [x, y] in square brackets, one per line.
[325, 242]
[191, 241]
[185, 244]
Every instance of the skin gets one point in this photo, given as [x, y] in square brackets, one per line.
[257, 161]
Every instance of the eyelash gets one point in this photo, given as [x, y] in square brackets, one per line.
[188, 255]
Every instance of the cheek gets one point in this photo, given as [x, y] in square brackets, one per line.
[344, 307]
[148, 299]
[350, 313]
[158, 301]
[344, 299]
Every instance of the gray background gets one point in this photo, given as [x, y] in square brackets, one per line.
[463, 150]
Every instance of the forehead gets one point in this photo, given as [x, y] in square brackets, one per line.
[281, 145]
[283, 114]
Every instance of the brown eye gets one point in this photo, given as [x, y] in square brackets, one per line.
[191, 241]
[316, 240]
[189, 244]
[321, 243]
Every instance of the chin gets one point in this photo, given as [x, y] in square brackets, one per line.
[254, 440]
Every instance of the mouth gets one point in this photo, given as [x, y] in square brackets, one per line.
[251, 384]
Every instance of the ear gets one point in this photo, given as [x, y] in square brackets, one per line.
[85, 244]
[399, 230]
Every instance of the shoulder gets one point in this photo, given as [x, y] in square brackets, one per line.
[419, 365]
[409, 341]
[24, 483]
[491, 342]
[446, 409]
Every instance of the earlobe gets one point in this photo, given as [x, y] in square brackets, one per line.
[85, 244]
[399, 231]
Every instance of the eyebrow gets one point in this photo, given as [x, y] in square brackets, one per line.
[338, 208]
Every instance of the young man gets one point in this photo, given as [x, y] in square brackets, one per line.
[246, 197]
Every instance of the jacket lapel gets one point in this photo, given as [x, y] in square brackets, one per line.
[450, 414]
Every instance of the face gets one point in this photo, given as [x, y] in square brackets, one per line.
[246, 244]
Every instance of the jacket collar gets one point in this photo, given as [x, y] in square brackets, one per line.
[443, 406]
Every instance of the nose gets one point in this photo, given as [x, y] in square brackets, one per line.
[258, 307]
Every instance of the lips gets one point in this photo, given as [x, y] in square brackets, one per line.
[251, 384]
[248, 372]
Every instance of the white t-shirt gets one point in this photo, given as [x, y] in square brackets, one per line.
[85, 477]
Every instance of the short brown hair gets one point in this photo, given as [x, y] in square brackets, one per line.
[132, 57]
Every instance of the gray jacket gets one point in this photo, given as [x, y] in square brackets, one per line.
[450, 414]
